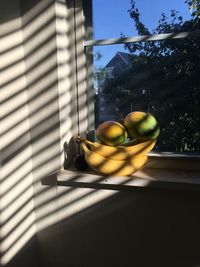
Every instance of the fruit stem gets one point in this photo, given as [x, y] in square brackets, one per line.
[79, 140]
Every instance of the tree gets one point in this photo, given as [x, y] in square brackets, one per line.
[164, 79]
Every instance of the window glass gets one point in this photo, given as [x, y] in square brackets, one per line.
[158, 77]
[116, 18]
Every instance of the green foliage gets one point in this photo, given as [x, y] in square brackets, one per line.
[168, 72]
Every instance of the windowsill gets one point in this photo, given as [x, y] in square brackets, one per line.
[151, 178]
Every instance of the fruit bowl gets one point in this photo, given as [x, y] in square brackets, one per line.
[123, 160]
[113, 155]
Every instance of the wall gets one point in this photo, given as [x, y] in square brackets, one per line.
[36, 120]
[137, 227]
[16, 191]
[38, 116]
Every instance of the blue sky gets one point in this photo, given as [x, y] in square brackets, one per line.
[111, 19]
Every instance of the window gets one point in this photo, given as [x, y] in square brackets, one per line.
[155, 71]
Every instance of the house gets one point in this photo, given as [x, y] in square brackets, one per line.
[120, 63]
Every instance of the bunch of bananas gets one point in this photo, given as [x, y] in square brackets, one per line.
[121, 160]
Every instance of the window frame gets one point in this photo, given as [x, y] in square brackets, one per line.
[174, 161]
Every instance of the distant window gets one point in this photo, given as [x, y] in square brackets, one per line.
[102, 108]
[109, 72]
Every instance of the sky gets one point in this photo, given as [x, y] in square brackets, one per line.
[111, 18]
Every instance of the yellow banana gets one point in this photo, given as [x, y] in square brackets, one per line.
[109, 166]
[122, 152]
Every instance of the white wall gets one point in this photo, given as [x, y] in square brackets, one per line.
[36, 120]
[16, 190]
[50, 109]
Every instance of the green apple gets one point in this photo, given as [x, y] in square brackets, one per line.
[141, 125]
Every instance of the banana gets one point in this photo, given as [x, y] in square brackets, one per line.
[123, 152]
[109, 166]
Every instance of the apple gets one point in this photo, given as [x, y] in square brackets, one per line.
[141, 125]
[111, 133]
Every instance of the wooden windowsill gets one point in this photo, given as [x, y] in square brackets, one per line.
[153, 178]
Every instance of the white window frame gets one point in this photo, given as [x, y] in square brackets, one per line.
[84, 83]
